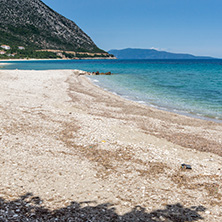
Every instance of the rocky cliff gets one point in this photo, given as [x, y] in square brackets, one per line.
[31, 23]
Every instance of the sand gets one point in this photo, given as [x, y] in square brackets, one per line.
[67, 144]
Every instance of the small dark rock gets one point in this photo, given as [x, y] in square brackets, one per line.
[186, 166]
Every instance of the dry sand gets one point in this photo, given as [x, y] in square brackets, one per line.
[91, 155]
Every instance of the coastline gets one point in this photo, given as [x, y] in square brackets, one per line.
[173, 118]
[87, 58]
[17, 60]
[65, 139]
[162, 108]
[196, 111]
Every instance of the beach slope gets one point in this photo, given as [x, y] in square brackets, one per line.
[69, 149]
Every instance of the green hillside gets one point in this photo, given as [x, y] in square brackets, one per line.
[35, 26]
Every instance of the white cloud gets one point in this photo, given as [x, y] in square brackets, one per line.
[158, 49]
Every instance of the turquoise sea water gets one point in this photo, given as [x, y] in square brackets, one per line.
[190, 87]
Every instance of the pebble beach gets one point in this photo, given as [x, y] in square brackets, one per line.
[70, 150]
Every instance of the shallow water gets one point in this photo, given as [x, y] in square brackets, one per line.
[190, 87]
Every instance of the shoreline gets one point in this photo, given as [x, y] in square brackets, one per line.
[165, 114]
[64, 139]
[162, 111]
[17, 60]
[170, 110]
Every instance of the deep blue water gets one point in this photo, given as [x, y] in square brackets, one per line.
[183, 86]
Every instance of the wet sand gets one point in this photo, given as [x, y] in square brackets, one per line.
[64, 139]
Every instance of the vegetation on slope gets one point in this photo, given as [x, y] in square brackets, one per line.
[32, 24]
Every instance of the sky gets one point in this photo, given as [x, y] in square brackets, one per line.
[182, 26]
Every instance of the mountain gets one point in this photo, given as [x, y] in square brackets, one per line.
[151, 54]
[32, 24]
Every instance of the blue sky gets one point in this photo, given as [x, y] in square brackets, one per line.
[188, 26]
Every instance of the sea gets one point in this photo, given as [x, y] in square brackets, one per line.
[187, 87]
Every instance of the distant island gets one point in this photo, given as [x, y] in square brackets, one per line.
[30, 29]
[131, 53]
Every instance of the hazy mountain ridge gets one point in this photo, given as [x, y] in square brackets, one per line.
[131, 53]
[32, 23]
